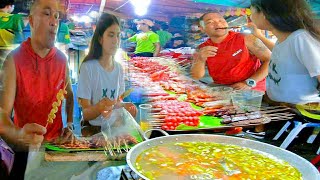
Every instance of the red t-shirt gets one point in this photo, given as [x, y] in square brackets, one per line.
[233, 62]
[38, 82]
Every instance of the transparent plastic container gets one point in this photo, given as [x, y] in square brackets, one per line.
[224, 92]
[248, 100]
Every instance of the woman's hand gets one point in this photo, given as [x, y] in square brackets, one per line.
[131, 108]
[255, 31]
[105, 107]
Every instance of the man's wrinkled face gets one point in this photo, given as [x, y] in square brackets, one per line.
[213, 24]
[44, 20]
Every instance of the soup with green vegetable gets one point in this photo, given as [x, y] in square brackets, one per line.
[206, 160]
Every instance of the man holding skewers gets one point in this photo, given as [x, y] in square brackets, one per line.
[33, 75]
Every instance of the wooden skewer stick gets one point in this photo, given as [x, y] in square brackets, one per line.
[64, 88]
[161, 116]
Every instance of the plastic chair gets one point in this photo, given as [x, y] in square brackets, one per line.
[316, 160]
[309, 120]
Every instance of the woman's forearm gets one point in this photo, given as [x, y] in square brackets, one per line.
[91, 113]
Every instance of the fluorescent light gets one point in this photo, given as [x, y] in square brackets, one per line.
[93, 14]
[144, 3]
[85, 19]
[141, 11]
[141, 6]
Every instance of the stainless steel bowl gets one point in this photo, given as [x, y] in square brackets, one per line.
[308, 171]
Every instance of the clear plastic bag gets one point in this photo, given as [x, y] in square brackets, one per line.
[119, 131]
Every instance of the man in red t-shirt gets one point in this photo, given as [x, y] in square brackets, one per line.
[33, 75]
[240, 61]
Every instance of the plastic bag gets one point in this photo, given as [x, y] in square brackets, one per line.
[6, 157]
[119, 131]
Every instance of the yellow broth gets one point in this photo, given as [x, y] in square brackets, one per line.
[206, 160]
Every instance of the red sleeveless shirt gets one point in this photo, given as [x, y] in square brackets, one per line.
[38, 81]
[233, 62]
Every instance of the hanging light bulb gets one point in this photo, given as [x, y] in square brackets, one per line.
[141, 6]
[140, 3]
[141, 11]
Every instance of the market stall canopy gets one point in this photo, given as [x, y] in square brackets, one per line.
[160, 9]
[165, 9]
[232, 3]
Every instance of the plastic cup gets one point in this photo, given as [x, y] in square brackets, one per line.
[145, 111]
[248, 100]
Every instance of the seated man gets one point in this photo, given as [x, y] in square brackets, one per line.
[234, 59]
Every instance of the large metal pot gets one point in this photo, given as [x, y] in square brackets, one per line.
[308, 171]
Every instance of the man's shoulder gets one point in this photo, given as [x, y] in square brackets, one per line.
[4, 14]
[61, 55]
[238, 36]
[15, 52]
[10, 57]
[152, 33]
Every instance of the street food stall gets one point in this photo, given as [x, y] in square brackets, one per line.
[206, 127]
[180, 105]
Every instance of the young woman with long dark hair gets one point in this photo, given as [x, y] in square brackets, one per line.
[101, 80]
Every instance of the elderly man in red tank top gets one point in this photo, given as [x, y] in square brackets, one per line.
[233, 59]
[33, 75]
